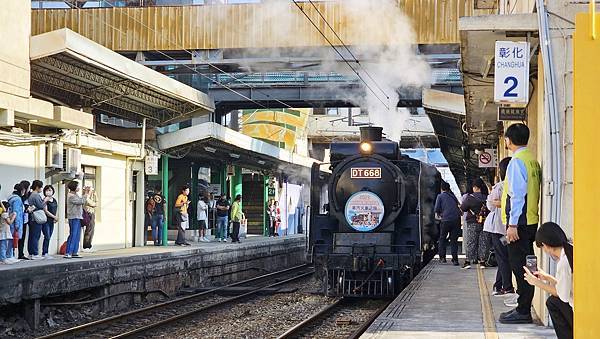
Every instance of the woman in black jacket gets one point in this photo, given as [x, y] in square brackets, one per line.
[477, 242]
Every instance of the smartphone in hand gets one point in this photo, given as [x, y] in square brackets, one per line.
[531, 263]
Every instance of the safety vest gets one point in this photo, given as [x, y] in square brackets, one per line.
[532, 199]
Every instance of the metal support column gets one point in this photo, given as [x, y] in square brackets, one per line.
[266, 218]
[165, 189]
[194, 196]
[236, 182]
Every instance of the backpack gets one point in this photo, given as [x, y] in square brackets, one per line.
[483, 214]
[150, 205]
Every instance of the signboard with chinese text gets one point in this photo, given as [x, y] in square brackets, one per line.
[151, 164]
[364, 211]
[511, 72]
[512, 113]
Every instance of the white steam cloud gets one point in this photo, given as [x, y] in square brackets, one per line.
[379, 33]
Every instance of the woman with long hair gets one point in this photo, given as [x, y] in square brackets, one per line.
[554, 242]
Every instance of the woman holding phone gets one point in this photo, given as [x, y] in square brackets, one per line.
[553, 240]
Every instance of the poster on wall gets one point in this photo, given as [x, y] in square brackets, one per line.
[364, 211]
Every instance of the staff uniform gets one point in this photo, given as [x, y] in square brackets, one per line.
[520, 199]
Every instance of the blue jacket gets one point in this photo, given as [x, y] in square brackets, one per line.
[446, 205]
[16, 206]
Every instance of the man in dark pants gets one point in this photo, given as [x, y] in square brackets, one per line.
[446, 208]
[520, 211]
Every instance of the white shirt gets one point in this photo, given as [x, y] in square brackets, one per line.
[564, 276]
[202, 208]
[493, 222]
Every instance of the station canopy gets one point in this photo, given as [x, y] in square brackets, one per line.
[71, 70]
[218, 144]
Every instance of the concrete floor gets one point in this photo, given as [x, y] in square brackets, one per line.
[444, 302]
[251, 240]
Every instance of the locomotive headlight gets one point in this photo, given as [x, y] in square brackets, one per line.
[366, 147]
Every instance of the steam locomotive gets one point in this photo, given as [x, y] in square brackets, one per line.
[372, 219]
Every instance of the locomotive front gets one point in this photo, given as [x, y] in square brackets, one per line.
[369, 243]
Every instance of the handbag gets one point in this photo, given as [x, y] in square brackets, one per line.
[39, 216]
[86, 218]
[490, 259]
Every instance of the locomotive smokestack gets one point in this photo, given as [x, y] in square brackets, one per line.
[370, 133]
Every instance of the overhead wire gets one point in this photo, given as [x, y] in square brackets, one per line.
[348, 49]
[340, 54]
[193, 69]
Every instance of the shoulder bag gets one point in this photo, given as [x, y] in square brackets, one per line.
[39, 216]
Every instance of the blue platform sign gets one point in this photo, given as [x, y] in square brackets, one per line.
[364, 211]
[511, 72]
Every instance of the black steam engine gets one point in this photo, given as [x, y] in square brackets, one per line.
[372, 220]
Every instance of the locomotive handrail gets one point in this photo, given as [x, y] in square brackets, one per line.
[410, 247]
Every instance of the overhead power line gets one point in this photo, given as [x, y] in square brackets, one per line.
[348, 49]
[340, 54]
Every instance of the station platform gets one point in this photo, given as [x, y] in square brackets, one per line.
[149, 269]
[444, 301]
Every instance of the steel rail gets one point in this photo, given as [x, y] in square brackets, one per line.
[297, 329]
[146, 328]
[90, 325]
[365, 325]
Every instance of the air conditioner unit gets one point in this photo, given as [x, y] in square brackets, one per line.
[54, 155]
[73, 160]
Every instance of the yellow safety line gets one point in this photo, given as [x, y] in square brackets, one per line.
[593, 18]
[489, 322]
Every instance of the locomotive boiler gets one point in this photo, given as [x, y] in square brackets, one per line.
[372, 220]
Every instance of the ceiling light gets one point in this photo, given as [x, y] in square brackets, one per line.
[210, 149]
[261, 162]
[233, 155]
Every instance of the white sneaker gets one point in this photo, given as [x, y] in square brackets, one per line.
[7, 262]
[48, 257]
[67, 256]
[87, 250]
[13, 260]
[35, 257]
[224, 240]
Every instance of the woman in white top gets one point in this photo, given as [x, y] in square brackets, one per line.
[202, 216]
[553, 240]
[493, 225]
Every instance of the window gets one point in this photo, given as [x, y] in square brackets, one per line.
[90, 178]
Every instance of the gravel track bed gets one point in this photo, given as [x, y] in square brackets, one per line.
[261, 317]
[346, 321]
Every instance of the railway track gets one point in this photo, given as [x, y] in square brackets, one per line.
[346, 318]
[140, 321]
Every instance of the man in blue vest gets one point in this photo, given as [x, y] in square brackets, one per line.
[520, 212]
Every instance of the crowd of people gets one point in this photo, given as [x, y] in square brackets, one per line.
[500, 227]
[227, 216]
[31, 212]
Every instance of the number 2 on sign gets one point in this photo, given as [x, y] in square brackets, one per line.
[509, 92]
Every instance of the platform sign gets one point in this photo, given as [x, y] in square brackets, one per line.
[487, 158]
[364, 211]
[511, 72]
[151, 164]
[512, 113]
